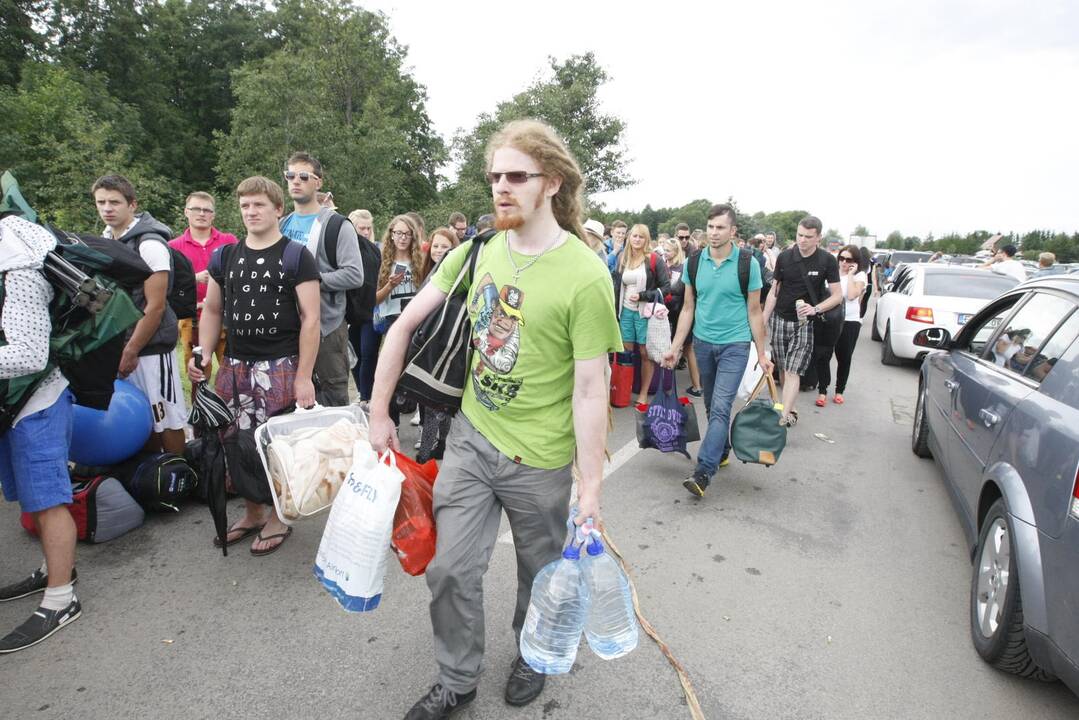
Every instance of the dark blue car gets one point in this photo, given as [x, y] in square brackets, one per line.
[998, 408]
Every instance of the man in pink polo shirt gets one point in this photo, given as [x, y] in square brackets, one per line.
[197, 244]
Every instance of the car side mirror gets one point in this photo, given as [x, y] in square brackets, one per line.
[936, 338]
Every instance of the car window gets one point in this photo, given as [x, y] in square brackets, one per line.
[1017, 343]
[1046, 357]
[980, 332]
[982, 286]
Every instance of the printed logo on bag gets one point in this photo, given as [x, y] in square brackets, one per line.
[665, 424]
[496, 336]
[359, 487]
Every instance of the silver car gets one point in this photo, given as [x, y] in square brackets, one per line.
[998, 408]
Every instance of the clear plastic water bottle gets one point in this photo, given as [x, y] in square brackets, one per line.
[611, 628]
[556, 615]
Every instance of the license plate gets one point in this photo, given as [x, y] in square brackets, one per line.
[964, 317]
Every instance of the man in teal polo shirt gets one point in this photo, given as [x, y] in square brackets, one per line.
[723, 322]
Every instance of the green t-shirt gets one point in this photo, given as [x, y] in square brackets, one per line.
[525, 339]
[721, 315]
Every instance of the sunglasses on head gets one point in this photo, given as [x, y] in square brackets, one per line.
[514, 177]
[304, 176]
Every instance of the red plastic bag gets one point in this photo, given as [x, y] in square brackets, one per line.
[414, 522]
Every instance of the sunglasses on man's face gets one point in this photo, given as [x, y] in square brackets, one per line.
[682, 238]
[514, 177]
[304, 176]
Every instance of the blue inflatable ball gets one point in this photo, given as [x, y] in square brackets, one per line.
[107, 437]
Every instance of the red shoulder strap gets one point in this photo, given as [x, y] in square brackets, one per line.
[652, 262]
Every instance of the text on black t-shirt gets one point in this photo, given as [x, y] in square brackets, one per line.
[260, 309]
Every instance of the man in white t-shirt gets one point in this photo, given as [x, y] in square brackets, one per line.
[149, 357]
[1004, 263]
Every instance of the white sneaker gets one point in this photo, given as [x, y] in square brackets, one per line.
[418, 444]
[415, 422]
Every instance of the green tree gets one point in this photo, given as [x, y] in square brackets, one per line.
[62, 130]
[19, 41]
[894, 241]
[568, 100]
[861, 231]
[340, 91]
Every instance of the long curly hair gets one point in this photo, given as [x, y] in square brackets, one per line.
[389, 251]
[540, 142]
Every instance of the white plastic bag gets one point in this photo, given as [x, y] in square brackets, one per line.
[351, 559]
[750, 377]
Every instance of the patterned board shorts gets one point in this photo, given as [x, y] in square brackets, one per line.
[792, 344]
[256, 391]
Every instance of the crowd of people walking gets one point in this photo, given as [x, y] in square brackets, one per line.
[306, 299]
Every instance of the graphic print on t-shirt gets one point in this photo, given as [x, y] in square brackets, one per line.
[257, 308]
[496, 337]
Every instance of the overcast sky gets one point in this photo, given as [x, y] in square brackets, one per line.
[950, 115]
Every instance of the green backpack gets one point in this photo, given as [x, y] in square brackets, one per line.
[90, 316]
[756, 435]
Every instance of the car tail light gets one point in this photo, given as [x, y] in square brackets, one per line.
[1075, 497]
[920, 314]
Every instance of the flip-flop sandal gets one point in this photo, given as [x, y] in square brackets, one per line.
[245, 532]
[272, 548]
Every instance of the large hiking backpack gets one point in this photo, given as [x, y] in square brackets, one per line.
[359, 302]
[101, 508]
[90, 314]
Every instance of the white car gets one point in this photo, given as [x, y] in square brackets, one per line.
[924, 296]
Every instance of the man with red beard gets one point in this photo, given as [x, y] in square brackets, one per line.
[527, 413]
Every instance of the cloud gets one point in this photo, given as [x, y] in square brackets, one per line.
[922, 117]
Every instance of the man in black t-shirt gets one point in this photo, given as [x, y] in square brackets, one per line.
[798, 295]
[266, 288]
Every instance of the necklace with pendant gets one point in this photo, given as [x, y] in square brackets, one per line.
[518, 270]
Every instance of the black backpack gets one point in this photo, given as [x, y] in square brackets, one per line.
[744, 258]
[182, 298]
[359, 302]
[437, 358]
[157, 481]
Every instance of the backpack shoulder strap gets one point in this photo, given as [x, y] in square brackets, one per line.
[744, 258]
[693, 265]
[290, 259]
[333, 232]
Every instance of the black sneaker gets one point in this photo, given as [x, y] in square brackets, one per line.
[524, 684]
[696, 484]
[39, 626]
[439, 703]
[37, 582]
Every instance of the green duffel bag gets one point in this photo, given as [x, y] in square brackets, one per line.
[756, 434]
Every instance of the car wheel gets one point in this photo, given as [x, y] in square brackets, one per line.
[873, 333]
[919, 439]
[887, 357]
[996, 606]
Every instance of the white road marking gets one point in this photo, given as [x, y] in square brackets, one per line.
[620, 458]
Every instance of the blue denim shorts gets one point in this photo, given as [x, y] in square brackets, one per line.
[634, 327]
[33, 457]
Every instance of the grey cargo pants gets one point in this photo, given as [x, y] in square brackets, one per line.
[475, 483]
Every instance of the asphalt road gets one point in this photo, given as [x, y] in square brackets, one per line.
[833, 585]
